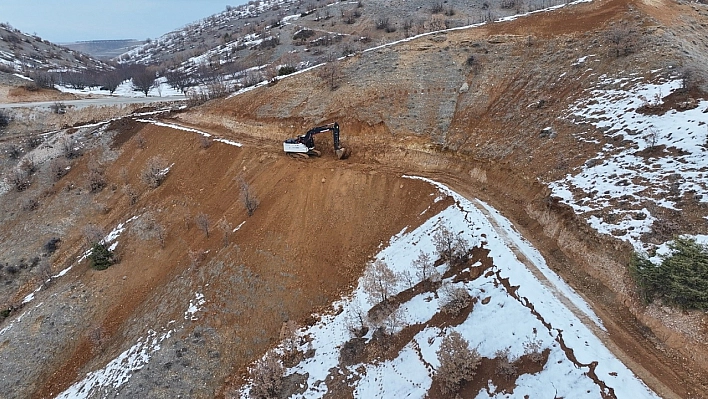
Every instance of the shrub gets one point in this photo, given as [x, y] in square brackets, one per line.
[30, 204]
[70, 147]
[4, 120]
[13, 151]
[51, 246]
[202, 222]
[454, 299]
[506, 366]
[95, 177]
[286, 70]
[457, 362]
[155, 172]
[681, 279]
[58, 168]
[248, 197]
[101, 257]
[20, 180]
[267, 377]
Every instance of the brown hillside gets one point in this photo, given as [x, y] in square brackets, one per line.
[406, 108]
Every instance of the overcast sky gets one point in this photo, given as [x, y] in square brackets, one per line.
[63, 21]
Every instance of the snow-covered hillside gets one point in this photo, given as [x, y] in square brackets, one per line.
[654, 157]
[515, 311]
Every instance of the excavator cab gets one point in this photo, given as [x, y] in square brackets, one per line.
[304, 146]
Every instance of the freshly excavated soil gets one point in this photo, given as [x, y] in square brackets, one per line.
[405, 109]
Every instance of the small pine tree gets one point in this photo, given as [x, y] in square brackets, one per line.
[101, 257]
[681, 279]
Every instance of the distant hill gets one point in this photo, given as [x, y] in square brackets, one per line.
[24, 53]
[105, 49]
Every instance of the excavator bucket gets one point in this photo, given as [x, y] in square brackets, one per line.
[343, 153]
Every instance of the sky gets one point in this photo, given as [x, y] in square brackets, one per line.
[63, 21]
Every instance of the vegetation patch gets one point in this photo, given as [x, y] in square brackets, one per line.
[101, 257]
[680, 280]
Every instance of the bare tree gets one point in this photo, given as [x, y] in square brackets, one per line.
[622, 39]
[202, 222]
[652, 137]
[379, 281]
[248, 197]
[450, 246]
[111, 80]
[331, 72]
[267, 377]
[144, 80]
[458, 362]
[425, 269]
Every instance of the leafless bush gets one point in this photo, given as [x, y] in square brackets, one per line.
[458, 362]
[248, 197]
[227, 230]
[454, 299]
[58, 108]
[196, 257]
[131, 193]
[155, 172]
[205, 141]
[28, 165]
[140, 141]
[437, 8]
[34, 142]
[289, 338]
[19, 180]
[30, 204]
[70, 147]
[202, 222]
[331, 73]
[58, 168]
[379, 281]
[652, 137]
[507, 4]
[95, 177]
[13, 151]
[93, 234]
[506, 365]
[534, 349]
[148, 228]
[622, 39]
[267, 377]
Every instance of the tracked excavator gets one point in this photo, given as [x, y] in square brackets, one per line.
[304, 146]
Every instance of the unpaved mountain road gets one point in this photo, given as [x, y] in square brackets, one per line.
[96, 102]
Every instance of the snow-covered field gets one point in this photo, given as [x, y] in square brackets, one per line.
[500, 320]
[617, 189]
[125, 89]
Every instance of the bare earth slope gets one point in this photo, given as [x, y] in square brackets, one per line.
[420, 106]
[202, 289]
